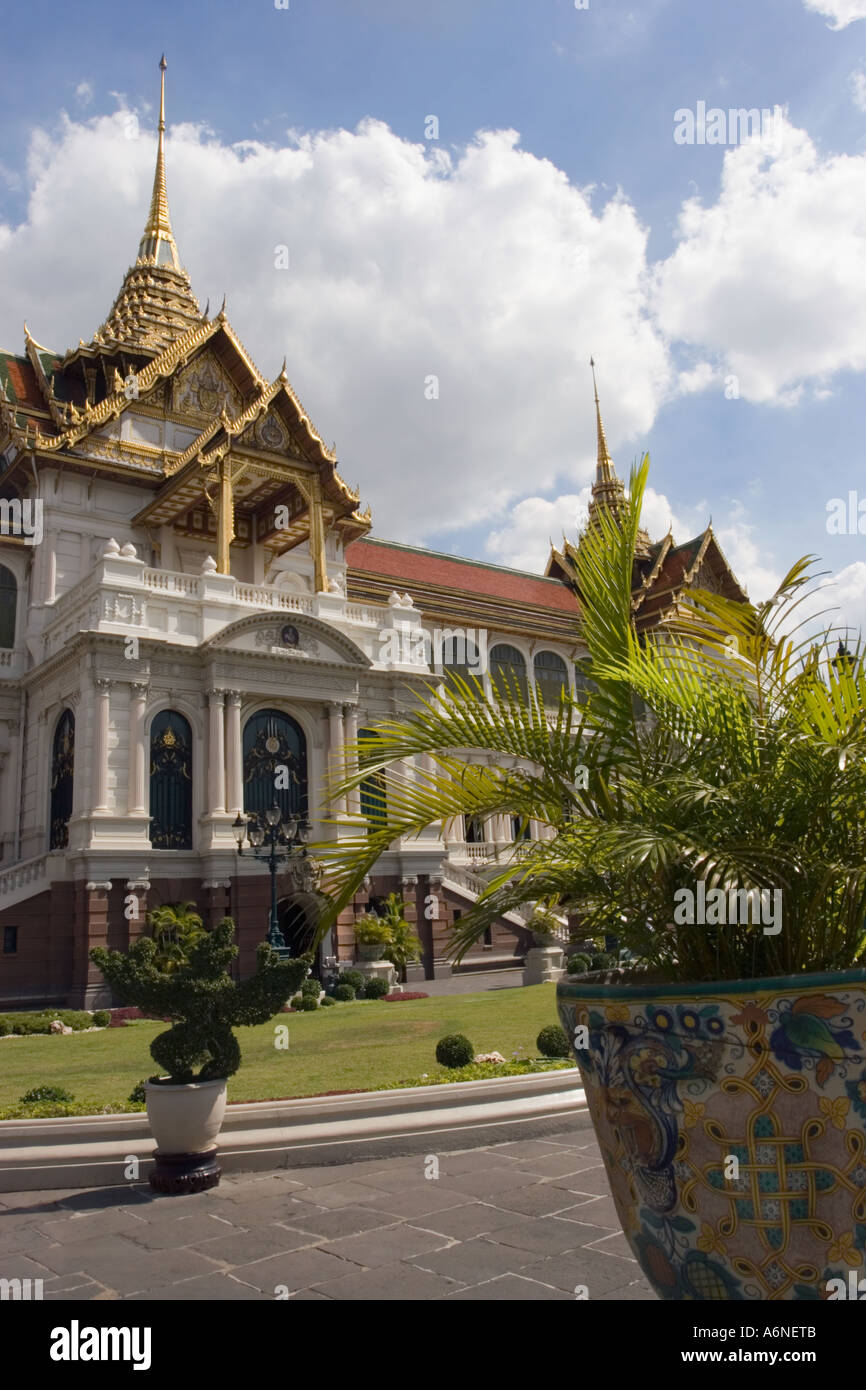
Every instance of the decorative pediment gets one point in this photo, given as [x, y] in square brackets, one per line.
[204, 388]
[292, 637]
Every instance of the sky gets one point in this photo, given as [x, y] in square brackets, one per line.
[438, 210]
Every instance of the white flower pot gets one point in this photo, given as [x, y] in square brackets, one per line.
[185, 1119]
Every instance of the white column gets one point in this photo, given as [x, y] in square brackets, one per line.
[216, 753]
[351, 727]
[335, 748]
[100, 745]
[49, 574]
[137, 750]
[234, 754]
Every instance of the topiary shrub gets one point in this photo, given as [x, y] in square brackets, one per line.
[376, 989]
[603, 960]
[40, 1094]
[311, 986]
[138, 1095]
[579, 964]
[296, 1001]
[356, 978]
[102, 1018]
[552, 1042]
[327, 1002]
[201, 999]
[343, 993]
[454, 1050]
[308, 1003]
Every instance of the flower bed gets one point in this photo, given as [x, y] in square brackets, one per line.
[407, 994]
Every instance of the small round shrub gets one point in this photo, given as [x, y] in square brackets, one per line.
[356, 978]
[308, 1003]
[578, 964]
[454, 1050]
[376, 989]
[343, 993]
[54, 1094]
[102, 1018]
[552, 1042]
[327, 1002]
[312, 987]
[602, 960]
[297, 1002]
[137, 1095]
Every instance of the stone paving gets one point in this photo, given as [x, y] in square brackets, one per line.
[527, 1220]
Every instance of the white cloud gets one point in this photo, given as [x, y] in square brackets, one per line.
[771, 278]
[841, 12]
[524, 540]
[84, 93]
[485, 268]
[858, 89]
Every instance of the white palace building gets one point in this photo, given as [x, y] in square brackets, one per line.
[189, 600]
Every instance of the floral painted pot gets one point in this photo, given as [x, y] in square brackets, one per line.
[732, 1122]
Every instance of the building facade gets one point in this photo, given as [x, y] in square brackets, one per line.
[194, 621]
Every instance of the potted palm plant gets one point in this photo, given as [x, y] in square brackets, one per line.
[372, 936]
[199, 1052]
[705, 799]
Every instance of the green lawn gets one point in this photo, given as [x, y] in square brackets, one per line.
[358, 1046]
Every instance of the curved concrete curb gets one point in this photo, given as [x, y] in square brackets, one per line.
[98, 1150]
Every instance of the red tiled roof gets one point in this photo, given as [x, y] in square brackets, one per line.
[405, 565]
[22, 379]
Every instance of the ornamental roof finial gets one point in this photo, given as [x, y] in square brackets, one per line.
[605, 471]
[158, 245]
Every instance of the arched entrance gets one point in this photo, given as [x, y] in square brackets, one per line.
[299, 916]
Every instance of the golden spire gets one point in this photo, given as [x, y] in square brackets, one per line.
[605, 471]
[158, 244]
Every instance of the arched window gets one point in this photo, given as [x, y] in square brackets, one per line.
[474, 830]
[584, 685]
[551, 675]
[373, 802]
[460, 656]
[275, 765]
[8, 605]
[170, 781]
[520, 829]
[508, 670]
[62, 772]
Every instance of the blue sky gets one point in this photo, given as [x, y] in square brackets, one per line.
[774, 265]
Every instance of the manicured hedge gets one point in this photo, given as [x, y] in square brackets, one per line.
[22, 1024]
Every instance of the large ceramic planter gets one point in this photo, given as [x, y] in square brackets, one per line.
[370, 950]
[682, 1079]
[185, 1121]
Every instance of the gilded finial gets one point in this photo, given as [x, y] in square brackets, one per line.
[283, 376]
[605, 462]
[158, 244]
[222, 312]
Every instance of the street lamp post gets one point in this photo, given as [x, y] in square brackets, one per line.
[279, 840]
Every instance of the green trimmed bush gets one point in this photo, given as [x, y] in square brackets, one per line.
[308, 1003]
[102, 1019]
[296, 1002]
[552, 1042]
[39, 1021]
[579, 964]
[54, 1095]
[454, 1050]
[201, 998]
[356, 978]
[603, 960]
[327, 1002]
[137, 1095]
[311, 986]
[343, 993]
[376, 989]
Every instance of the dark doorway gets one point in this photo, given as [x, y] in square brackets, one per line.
[299, 917]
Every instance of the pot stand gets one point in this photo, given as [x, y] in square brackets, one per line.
[180, 1174]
